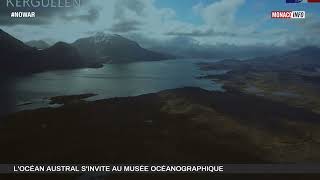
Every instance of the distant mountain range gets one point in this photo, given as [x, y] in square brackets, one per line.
[20, 58]
[115, 49]
[39, 44]
[36, 56]
[306, 59]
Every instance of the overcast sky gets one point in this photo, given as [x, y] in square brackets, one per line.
[236, 22]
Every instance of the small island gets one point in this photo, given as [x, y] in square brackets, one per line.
[72, 99]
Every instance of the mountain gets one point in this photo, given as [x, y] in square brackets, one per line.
[62, 56]
[9, 44]
[17, 58]
[115, 49]
[15, 55]
[188, 47]
[40, 44]
[306, 58]
[302, 60]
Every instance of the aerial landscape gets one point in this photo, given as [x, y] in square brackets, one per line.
[270, 108]
[149, 82]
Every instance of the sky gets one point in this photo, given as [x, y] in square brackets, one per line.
[205, 22]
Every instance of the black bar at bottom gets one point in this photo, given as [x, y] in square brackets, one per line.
[160, 169]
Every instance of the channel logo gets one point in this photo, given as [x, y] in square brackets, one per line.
[288, 14]
[296, 1]
[302, 1]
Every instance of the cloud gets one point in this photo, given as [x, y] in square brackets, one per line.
[90, 16]
[314, 27]
[306, 34]
[311, 24]
[220, 14]
[219, 21]
[128, 15]
[125, 7]
[300, 33]
[143, 20]
[132, 15]
[125, 26]
[202, 33]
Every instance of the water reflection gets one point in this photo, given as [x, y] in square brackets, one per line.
[113, 80]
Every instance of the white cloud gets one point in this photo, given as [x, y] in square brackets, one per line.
[140, 17]
[219, 15]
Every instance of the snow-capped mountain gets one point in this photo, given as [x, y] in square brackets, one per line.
[115, 48]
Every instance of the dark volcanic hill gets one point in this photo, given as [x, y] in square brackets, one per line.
[11, 46]
[62, 56]
[115, 49]
[17, 58]
[40, 44]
